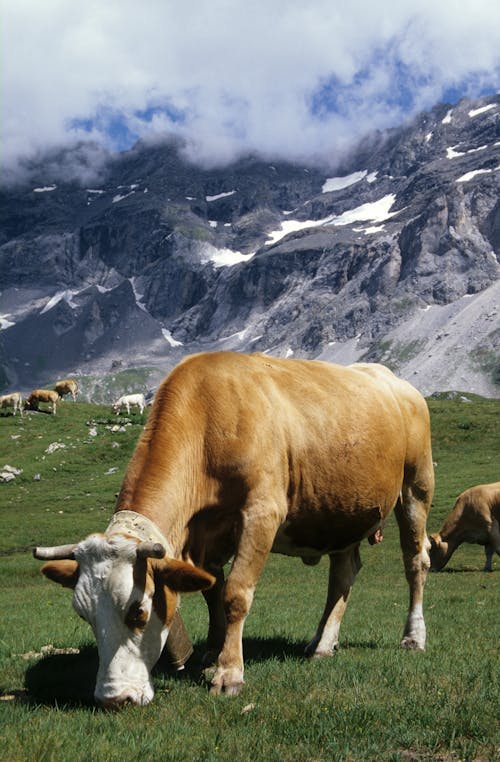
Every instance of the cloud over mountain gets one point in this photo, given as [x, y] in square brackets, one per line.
[291, 79]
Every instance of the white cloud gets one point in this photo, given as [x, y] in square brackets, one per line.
[233, 77]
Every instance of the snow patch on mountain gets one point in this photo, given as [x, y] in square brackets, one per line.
[476, 111]
[375, 211]
[470, 175]
[4, 323]
[337, 183]
[138, 296]
[222, 257]
[121, 196]
[220, 195]
[452, 154]
[66, 295]
[170, 339]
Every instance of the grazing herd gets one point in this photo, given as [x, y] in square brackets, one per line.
[247, 455]
[40, 396]
[52, 397]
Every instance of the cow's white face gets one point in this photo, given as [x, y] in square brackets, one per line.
[129, 603]
[114, 597]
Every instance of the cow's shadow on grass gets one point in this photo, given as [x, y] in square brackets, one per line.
[68, 680]
[63, 679]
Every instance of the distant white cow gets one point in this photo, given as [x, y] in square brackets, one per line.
[14, 400]
[67, 386]
[42, 395]
[128, 400]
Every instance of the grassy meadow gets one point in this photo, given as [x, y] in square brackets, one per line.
[371, 701]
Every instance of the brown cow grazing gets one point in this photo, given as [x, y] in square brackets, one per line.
[42, 395]
[68, 386]
[475, 518]
[13, 400]
[243, 455]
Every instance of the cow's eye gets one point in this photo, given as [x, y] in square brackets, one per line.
[137, 617]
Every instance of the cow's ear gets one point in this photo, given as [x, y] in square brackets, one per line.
[181, 577]
[65, 572]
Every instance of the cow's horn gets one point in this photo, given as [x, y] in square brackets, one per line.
[148, 549]
[57, 553]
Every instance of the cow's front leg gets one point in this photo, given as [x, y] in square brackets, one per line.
[260, 522]
[492, 546]
[488, 558]
[344, 567]
[214, 598]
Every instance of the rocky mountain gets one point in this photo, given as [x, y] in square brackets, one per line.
[390, 255]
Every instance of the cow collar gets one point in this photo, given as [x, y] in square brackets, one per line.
[130, 522]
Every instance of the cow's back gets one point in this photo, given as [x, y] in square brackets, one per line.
[476, 506]
[322, 433]
[415, 415]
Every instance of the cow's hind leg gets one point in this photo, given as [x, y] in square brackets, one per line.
[261, 518]
[411, 512]
[343, 570]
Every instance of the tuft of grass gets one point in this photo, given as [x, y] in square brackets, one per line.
[371, 701]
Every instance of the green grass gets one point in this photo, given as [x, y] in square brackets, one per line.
[370, 702]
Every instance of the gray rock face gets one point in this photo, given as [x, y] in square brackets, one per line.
[160, 258]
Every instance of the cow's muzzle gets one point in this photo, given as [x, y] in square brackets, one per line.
[126, 698]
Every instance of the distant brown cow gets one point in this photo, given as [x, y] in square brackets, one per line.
[475, 518]
[42, 395]
[67, 386]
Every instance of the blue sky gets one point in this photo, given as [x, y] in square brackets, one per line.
[283, 78]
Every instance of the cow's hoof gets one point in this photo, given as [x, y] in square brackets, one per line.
[411, 644]
[230, 690]
[313, 652]
[228, 681]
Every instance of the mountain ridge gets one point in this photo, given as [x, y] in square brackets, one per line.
[382, 259]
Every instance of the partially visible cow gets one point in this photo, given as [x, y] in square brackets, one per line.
[475, 518]
[67, 386]
[128, 401]
[47, 396]
[243, 455]
[14, 400]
